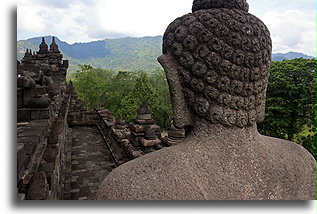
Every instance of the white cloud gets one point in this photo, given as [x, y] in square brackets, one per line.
[80, 21]
[86, 20]
[141, 17]
[292, 30]
[28, 18]
[69, 23]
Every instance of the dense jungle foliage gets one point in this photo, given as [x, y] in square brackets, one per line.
[290, 107]
[291, 102]
[123, 92]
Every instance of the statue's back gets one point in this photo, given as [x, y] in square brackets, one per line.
[216, 61]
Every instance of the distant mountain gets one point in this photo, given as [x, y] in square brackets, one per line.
[289, 56]
[133, 54]
[128, 53]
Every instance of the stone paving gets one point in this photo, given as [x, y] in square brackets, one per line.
[91, 163]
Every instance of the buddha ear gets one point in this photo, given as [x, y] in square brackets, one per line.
[182, 115]
[260, 110]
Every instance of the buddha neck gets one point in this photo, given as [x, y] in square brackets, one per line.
[208, 131]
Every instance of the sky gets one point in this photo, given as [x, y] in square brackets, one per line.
[291, 22]
[8, 203]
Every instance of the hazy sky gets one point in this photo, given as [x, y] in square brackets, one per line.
[291, 22]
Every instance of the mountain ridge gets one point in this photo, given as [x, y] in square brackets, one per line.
[290, 55]
[125, 54]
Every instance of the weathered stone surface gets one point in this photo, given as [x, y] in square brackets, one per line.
[40, 114]
[136, 128]
[243, 165]
[50, 154]
[144, 132]
[230, 4]
[121, 134]
[106, 115]
[149, 134]
[217, 62]
[38, 189]
[120, 123]
[47, 167]
[41, 78]
[19, 98]
[91, 162]
[221, 62]
[144, 110]
[144, 117]
[109, 124]
[21, 158]
[43, 125]
[23, 115]
[144, 122]
[30, 144]
[43, 107]
[38, 102]
[150, 143]
[175, 135]
[20, 196]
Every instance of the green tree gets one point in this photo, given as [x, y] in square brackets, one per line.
[164, 111]
[142, 91]
[121, 85]
[291, 98]
[122, 92]
[91, 85]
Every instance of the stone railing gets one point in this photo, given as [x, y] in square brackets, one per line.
[82, 118]
[31, 144]
[43, 156]
[130, 141]
[117, 139]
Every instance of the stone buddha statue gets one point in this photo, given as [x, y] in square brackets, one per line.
[217, 61]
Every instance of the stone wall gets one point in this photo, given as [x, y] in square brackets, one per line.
[130, 141]
[43, 156]
[56, 156]
[117, 140]
[31, 144]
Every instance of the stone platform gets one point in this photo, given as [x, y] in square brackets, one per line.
[91, 163]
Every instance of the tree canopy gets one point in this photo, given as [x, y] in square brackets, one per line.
[123, 92]
[290, 103]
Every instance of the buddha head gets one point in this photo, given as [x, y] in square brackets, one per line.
[217, 61]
